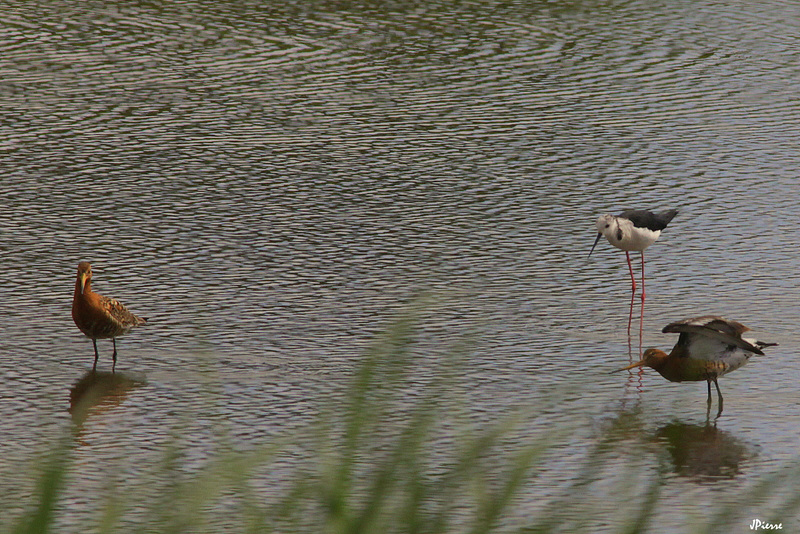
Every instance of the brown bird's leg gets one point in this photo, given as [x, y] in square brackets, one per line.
[719, 395]
[94, 342]
[114, 356]
[708, 380]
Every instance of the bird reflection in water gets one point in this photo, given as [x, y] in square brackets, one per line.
[703, 452]
[99, 391]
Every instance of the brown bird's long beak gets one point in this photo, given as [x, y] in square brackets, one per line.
[640, 363]
[595, 244]
[82, 279]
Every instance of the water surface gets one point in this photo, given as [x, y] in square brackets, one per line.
[272, 185]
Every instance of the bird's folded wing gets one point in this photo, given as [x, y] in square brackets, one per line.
[713, 333]
[120, 313]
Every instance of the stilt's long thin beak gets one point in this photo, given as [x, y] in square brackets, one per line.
[640, 363]
[83, 283]
[595, 244]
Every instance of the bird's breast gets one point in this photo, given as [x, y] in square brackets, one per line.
[630, 238]
[92, 319]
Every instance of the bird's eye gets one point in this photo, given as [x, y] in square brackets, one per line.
[608, 225]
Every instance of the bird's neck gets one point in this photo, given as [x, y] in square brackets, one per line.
[670, 367]
[87, 289]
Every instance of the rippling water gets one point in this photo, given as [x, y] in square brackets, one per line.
[272, 184]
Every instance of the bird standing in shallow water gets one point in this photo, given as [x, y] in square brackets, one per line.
[708, 347]
[99, 317]
[633, 230]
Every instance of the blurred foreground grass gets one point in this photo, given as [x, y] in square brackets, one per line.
[436, 472]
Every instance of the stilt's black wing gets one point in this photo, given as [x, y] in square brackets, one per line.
[648, 219]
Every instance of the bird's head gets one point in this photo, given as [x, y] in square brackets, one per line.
[84, 274]
[604, 226]
[651, 358]
[604, 222]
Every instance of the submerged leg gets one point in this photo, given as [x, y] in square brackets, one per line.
[114, 356]
[94, 342]
[719, 395]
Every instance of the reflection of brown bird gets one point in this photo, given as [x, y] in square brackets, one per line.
[99, 317]
[708, 347]
[704, 452]
[98, 391]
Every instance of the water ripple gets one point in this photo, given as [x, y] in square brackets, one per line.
[272, 183]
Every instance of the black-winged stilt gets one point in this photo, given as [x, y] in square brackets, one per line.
[708, 347]
[633, 230]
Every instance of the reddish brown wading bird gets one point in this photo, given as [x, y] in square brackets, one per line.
[708, 347]
[99, 317]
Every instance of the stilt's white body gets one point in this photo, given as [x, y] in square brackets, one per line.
[633, 230]
[621, 233]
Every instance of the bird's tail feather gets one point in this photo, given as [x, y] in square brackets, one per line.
[763, 344]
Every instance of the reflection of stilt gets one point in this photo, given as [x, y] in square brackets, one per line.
[633, 390]
[641, 315]
[633, 299]
[635, 380]
[630, 342]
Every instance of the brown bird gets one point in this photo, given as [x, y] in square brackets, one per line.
[708, 347]
[99, 317]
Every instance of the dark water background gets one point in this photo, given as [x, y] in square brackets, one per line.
[271, 185]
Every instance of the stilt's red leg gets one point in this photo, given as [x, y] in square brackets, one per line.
[642, 276]
[630, 320]
[630, 269]
[633, 294]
